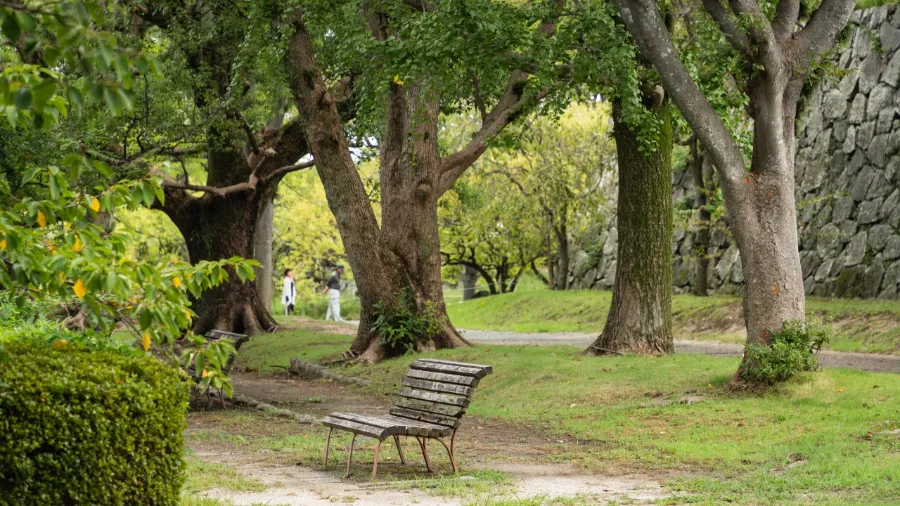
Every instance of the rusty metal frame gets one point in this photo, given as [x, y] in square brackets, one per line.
[422, 446]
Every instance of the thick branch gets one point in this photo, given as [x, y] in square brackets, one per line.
[786, 16]
[723, 18]
[251, 185]
[820, 33]
[646, 26]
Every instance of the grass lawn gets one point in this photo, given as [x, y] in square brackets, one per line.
[831, 437]
[861, 325]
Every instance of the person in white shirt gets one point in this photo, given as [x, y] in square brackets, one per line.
[333, 289]
[289, 292]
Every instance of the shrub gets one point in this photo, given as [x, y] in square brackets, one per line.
[82, 426]
[792, 349]
[400, 325]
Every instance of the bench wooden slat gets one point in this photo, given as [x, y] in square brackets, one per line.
[447, 421]
[468, 381]
[396, 425]
[359, 428]
[429, 407]
[486, 368]
[425, 395]
[423, 364]
[437, 386]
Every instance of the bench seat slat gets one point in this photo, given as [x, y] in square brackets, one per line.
[474, 372]
[358, 428]
[425, 395]
[437, 386]
[429, 407]
[468, 381]
[397, 425]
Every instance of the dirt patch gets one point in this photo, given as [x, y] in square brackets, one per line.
[298, 323]
[522, 453]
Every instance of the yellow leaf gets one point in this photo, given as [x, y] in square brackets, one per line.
[95, 205]
[398, 81]
[67, 225]
[176, 282]
[205, 372]
[187, 313]
[145, 341]
[79, 289]
[3, 244]
[78, 246]
[174, 259]
[60, 343]
[840, 389]
[51, 247]
[42, 219]
[62, 277]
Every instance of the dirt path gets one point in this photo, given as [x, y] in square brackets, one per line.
[860, 361]
[520, 452]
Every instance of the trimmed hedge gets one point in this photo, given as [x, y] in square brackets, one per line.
[89, 427]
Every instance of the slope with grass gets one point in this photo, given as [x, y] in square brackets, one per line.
[860, 325]
[831, 437]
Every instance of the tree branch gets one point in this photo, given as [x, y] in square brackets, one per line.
[250, 185]
[644, 22]
[823, 28]
[786, 15]
[723, 18]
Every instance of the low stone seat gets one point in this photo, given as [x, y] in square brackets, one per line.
[430, 404]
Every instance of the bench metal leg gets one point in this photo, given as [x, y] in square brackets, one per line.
[375, 463]
[328, 446]
[450, 453]
[350, 457]
[425, 453]
[399, 450]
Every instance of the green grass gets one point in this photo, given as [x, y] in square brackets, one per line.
[202, 476]
[861, 325]
[739, 448]
[272, 352]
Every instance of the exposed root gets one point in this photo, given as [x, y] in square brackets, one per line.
[308, 370]
[243, 400]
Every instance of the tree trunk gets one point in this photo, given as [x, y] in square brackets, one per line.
[640, 317]
[469, 278]
[700, 286]
[404, 253]
[262, 252]
[562, 251]
[217, 228]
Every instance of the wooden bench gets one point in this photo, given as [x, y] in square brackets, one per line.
[429, 405]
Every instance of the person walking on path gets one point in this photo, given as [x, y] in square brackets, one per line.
[333, 289]
[289, 292]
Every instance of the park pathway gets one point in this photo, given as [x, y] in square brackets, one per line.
[871, 362]
[860, 361]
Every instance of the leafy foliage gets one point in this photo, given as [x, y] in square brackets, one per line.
[401, 325]
[790, 350]
[83, 426]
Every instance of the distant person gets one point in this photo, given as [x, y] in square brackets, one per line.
[289, 292]
[333, 289]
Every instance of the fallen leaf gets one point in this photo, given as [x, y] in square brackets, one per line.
[777, 288]
[840, 389]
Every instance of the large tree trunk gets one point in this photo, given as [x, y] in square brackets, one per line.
[262, 252]
[403, 254]
[223, 227]
[561, 282]
[640, 316]
[700, 285]
[469, 279]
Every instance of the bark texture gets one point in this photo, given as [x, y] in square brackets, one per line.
[778, 55]
[703, 187]
[262, 252]
[640, 316]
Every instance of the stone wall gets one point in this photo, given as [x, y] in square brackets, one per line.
[848, 183]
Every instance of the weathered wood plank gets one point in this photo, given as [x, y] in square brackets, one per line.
[447, 421]
[359, 428]
[429, 407]
[394, 425]
[432, 429]
[437, 386]
[423, 364]
[487, 369]
[445, 378]
[425, 395]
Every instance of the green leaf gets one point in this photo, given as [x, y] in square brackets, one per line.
[113, 101]
[12, 116]
[54, 187]
[111, 280]
[29, 174]
[43, 92]
[23, 99]
[11, 28]
[146, 319]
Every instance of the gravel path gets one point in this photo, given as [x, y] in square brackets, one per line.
[859, 361]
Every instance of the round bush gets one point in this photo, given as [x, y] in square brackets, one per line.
[89, 427]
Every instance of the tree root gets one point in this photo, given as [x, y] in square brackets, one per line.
[308, 370]
[243, 400]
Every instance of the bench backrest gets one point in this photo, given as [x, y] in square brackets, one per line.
[438, 391]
